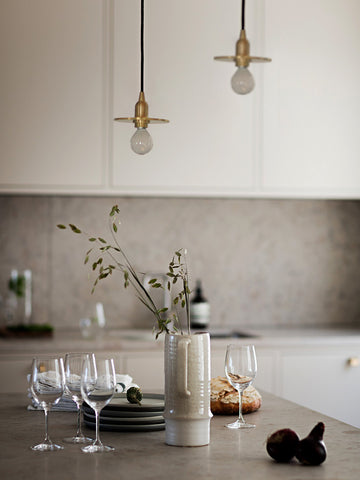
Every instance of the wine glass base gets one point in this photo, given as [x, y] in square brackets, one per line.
[79, 440]
[97, 448]
[46, 447]
[238, 424]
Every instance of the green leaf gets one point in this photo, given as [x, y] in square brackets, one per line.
[94, 265]
[86, 259]
[101, 240]
[62, 227]
[156, 285]
[176, 299]
[92, 239]
[115, 209]
[162, 310]
[153, 280]
[183, 303]
[114, 227]
[74, 228]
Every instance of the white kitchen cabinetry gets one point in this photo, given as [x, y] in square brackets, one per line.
[147, 369]
[210, 145]
[319, 374]
[53, 95]
[267, 361]
[311, 100]
[323, 379]
[69, 67]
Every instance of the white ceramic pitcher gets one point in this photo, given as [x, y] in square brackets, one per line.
[187, 390]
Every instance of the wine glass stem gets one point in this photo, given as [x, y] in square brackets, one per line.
[47, 438]
[241, 418]
[79, 432]
[97, 438]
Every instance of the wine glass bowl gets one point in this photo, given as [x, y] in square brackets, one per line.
[47, 383]
[240, 370]
[98, 384]
[73, 371]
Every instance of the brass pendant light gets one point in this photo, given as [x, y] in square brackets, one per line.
[242, 81]
[141, 141]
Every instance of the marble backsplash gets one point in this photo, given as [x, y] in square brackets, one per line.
[262, 262]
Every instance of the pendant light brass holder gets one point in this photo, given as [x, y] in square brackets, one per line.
[141, 118]
[242, 56]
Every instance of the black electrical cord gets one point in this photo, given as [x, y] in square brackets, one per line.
[243, 15]
[142, 47]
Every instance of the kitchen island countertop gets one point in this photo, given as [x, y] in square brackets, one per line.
[144, 455]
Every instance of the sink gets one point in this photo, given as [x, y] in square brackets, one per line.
[230, 334]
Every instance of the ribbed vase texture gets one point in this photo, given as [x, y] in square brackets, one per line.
[187, 389]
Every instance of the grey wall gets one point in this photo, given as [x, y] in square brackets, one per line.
[262, 262]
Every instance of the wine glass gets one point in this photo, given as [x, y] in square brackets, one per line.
[47, 387]
[98, 384]
[73, 370]
[240, 370]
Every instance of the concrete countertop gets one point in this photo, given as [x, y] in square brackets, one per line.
[144, 455]
[144, 340]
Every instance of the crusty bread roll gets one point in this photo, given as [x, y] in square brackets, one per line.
[224, 398]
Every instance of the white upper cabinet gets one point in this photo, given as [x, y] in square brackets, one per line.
[52, 95]
[69, 67]
[209, 146]
[311, 144]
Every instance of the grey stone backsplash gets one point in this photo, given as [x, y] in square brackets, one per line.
[263, 263]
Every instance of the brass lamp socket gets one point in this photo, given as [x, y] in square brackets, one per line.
[242, 54]
[141, 119]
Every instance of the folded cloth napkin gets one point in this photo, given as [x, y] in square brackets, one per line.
[66, 404]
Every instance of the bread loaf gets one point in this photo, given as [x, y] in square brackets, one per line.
[224, 398]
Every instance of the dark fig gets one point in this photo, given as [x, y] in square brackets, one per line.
[312, 450]
[282, 445]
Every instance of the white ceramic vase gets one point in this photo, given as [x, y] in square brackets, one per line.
[187, 390]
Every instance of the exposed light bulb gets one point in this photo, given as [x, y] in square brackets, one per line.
[242, 82]
[141, 142]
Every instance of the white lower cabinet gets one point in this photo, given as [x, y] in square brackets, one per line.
[267, 361]
[147, 370]
[323, 379]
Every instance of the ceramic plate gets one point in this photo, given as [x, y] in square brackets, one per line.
[152, 404]
[125, 420]
[127, 428]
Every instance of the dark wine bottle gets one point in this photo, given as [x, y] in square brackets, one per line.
[199, 309]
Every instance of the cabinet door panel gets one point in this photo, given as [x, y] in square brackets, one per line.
[311, 100]
[52, 94]
[209, 145]
[326, 383]
[147, 370]
[265, 377]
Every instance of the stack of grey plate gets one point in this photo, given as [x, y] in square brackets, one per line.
[121, 416]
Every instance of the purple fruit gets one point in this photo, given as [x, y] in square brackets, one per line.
[282, 445]
[311, 450]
